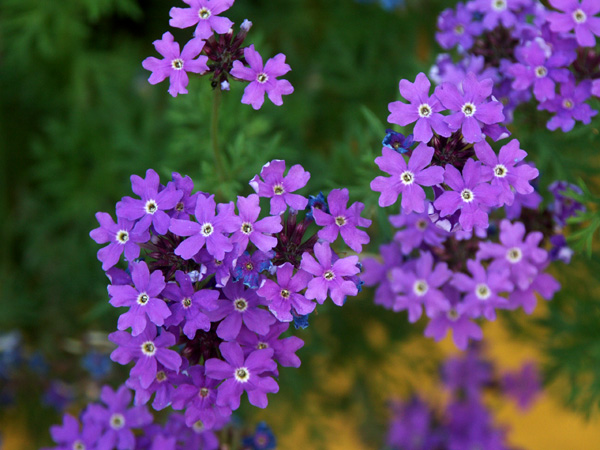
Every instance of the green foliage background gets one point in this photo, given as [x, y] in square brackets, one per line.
[77, 118]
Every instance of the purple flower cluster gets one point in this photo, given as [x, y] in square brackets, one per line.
[457, 278]
[526, 49]
[115, 425]
[465, 421]
[214, 49]
[210, 292]
[453, 159]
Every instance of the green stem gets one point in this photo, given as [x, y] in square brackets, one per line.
[214, 134]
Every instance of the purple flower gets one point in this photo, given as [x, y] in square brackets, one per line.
[423, 109]
[457, 27]
[242, 374]
[279, 188]
[483, 290]
[468, 374]
[398, 142]
[144, 304]
[221, 268]
[241, 305]
[455, 319]
[263, 78]
[284, 296]
[376, 273]
[342, 220]
[199, 397]
[471, 111]
[209, 229]
[163, 386]
[205, 14]
[121, 237]
[189, 306]
[498, 12]
[406, 179]
[116, 419]
[543, 284]
[420, 230]
[150, 209]
[248, 267]
[523, 385]
[536, 68]
[284, 350]
[329, 276]
[420, 286]
[506, 173]
[186, 206]
[564, 207]
[569, 106]
[471, 194]
[69, 436]
[251, 229]
[175, 64]
[529, 201]
[578, 16]
[517, 252]
[412, 427]
[148, 350]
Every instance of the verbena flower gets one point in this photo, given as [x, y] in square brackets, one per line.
[205, 15]
[457, 28]
[470, 110]
[342, 220]
[329, 276]
[423, 109]
[279, 188]
[577, 16]
[150, 208]
[241, 374]
[69, 436]
[470, 193]
[569, 106]
[143, 300]
[251, 229]
[406, 179]
[176, 64]
[121, 237]
[263, 78]
[284, 350]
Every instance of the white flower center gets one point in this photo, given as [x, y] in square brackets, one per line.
[340, 221]
[262, 345]
[424, 110]
[568, 103]
[122, 236]
[579, 16]
[148, 348]
[262, 77]
[541, 71]
[117, 421]
[514, 255]
[467, 195]
[278, 189]
[142, 299]
[420, 287]
[482, 291]
[242, 375]
[151, 207]
[78, 445]
[198, 426]
[421, 224]
[161, 376]
[459, 29]
[469, 109]
[207, 229]
[177, 64]
[329, 275]
[240, 304]
[204, 13]
[247, 228]
[500, 171]
[452, 314]
[203, 392]
[407, 178]
[285, 293]
[186, 302]
[499, 5]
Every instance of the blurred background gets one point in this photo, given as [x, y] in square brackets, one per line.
[78, 117]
